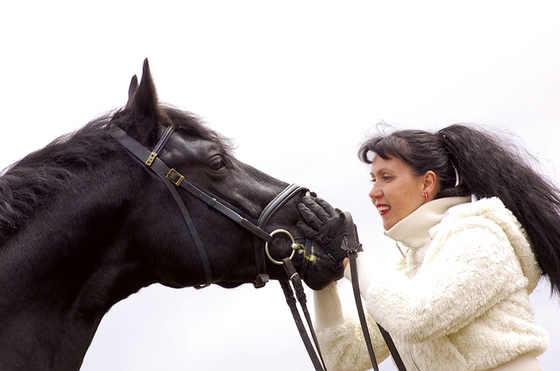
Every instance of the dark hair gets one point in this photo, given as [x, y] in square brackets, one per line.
[469, 161]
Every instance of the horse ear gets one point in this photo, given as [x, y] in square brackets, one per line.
[132, 89]
[144, 100]
[142, 108]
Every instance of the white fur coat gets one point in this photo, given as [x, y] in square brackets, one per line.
[458, 300]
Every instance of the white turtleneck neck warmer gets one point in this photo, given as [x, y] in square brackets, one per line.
[414, 230]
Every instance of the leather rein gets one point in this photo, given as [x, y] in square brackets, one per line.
[352, 247]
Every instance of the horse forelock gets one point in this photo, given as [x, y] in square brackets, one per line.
[194, 125]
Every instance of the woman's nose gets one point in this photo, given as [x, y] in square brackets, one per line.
[375, 192]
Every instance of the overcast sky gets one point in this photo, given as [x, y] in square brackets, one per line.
[297, 85]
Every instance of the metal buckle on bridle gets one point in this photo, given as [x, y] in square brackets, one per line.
[174, 177]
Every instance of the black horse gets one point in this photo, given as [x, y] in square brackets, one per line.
[95, 216]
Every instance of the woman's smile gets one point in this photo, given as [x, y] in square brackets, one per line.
[396, 190]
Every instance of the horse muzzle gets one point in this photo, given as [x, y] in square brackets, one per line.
[317, 268]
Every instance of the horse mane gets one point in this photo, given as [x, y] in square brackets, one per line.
[28, 185]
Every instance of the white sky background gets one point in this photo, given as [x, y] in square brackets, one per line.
[297, 85]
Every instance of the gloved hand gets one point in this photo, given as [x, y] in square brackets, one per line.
[325, 225]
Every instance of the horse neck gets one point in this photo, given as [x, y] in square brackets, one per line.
[61, 273]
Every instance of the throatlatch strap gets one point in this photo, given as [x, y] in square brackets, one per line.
[159, 168]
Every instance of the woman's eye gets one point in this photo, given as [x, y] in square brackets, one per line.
[217, 163]
[385, 178]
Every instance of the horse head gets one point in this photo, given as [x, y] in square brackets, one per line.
[228, 252]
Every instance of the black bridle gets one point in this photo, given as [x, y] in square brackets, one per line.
[173, 179]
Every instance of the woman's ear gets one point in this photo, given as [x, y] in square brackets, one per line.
[430, 184]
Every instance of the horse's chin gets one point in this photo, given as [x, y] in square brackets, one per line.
[229, 285]
[317, 278]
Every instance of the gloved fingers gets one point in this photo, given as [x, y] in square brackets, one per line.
[331, 211]
[310, 217]
[307, 230]
[320, 207]
[336, 225]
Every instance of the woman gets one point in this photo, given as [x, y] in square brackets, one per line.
[476, 227]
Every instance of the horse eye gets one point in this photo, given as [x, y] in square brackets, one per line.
[217, 163]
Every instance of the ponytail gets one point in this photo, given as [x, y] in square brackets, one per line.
[488, 167]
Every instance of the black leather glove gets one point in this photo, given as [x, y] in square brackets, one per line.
[325, 225]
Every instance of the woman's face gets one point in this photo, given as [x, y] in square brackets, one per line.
[396, 190]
